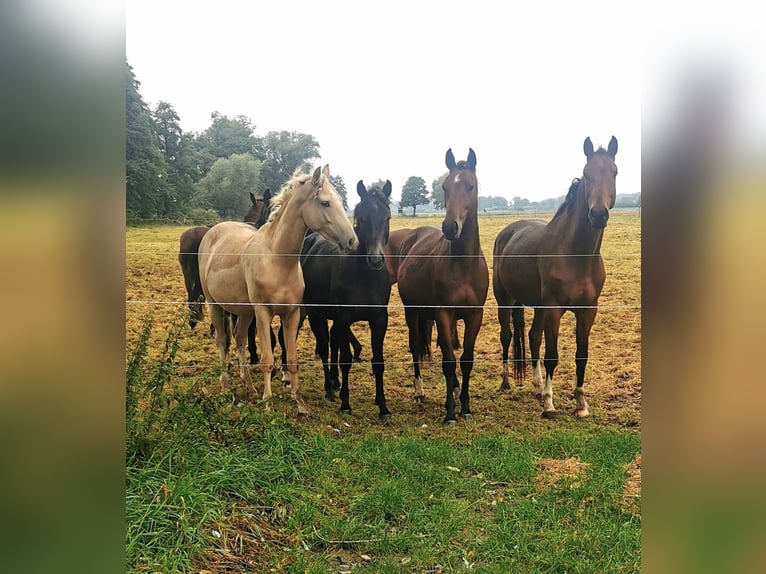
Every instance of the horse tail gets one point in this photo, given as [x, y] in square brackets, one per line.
[425, 330]
[519, 351]
[187, 257]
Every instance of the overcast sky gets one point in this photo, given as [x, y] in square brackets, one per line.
[387, 88]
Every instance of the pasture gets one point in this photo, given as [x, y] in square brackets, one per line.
[217, 483]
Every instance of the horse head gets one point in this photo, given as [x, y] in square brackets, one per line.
[599, 178]
[372, 216]
[460, 194]
[324, 212]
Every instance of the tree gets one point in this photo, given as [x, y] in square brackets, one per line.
[146, 187]
[224, 137]
[340, 186]
[179, 153]
[520, 203]
[225, 188]
[282, 153]
[414, 193]
[492, 202]
[437, 191]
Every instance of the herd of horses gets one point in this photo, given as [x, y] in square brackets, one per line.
[296, 255]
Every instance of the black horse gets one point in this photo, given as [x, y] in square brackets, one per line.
[346, 288]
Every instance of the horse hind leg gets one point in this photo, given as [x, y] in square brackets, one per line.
[504, 318]
[222, 332]
[417, 342]
[241, 328]
[535, 340]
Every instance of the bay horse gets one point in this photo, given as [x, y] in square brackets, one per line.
[248, 271]
[443, 277]
[358, 284]
[555, 267]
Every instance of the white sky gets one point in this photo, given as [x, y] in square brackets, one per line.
[386, 88]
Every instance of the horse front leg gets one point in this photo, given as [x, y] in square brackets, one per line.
[585, 319]
[444, 339]
[471, 332]
[378, 328]
[339, 337]
[413, 329]
[551, 324]
[291, 321]
[321, 348]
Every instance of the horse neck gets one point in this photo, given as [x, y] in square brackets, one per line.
[469, 242]
[572, 229]
[289, 228]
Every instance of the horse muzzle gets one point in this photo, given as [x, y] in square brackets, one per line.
[598, 218]
[451, 229]
[375, 262]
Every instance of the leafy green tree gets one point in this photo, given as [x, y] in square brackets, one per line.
[282, 153]
[146, 173]
[224, 137]
[225, 188]
[179, 153]
[340, 186]
[437, 191]
[414, 193]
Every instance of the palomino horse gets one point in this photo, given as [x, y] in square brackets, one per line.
[248, 271]
[189, 247]
[358, 283]
[443, 277]
[556, 267]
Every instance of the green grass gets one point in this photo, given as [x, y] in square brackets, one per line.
[220, 485]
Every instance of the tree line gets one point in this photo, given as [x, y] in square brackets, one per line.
[200, 178]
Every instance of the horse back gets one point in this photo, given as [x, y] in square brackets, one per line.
[220, 263]
[515, 272]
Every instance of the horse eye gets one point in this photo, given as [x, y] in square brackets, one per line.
[325, 203]
[469, 188]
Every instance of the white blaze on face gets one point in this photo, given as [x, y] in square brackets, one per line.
[457, 178]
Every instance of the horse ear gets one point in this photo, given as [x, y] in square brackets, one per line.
[450, 160]
[471, 158]
[266, 195]
[252, 198]
[316, 176]
[612, 150]
[360, 189]
[326, 171]
[387, 188]
[587, 147]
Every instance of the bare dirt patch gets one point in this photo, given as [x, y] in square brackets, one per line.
[631, 494]
[554, 471]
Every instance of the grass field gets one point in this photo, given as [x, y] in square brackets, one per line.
[220, 485]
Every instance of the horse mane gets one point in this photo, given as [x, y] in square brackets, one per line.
[570, 198]
[286, 192]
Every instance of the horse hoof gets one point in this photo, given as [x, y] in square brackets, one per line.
[504, 387]
[466, 416]
[385, 416]
[420, 399]
[549, 414]
[581, 413]
[346, 411]
[450, 422]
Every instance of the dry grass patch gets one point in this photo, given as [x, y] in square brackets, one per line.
[631, 494]
[554, 471]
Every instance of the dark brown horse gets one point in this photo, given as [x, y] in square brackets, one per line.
[555, 267]
[443, 277]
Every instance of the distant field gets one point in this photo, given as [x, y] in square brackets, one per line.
[506, 491]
